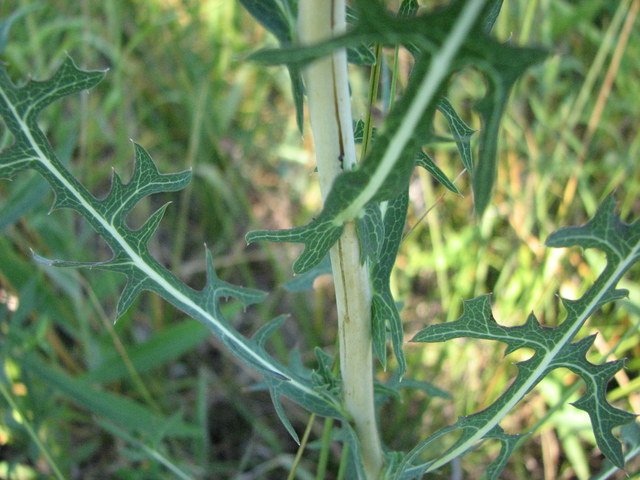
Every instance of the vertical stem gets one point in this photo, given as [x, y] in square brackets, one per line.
[330, 113]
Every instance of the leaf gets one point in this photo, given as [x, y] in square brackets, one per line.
[492, 15]
[508, 445]
[318, 237]
[631, 436]
[274, 383]
[279, 18]
[501, 73]
[305, 281]
[408, 8]
[396, 383]
[370, 231]
[348, 436]
[20, 116]
[425, 161]
[274, 17]
[553, 347]
[359, 54]
[358, 131]
[324, 375]
[461, 132]
[19, 108]
[606, 232]
[384, 313]
[381, 175]
[456, 30]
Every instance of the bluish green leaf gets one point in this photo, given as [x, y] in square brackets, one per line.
[553, 347]
[631, 435]
[386, 169]
[384, 312]
[501, 74]
[19, 108]
[491, 16]
[305, 281]
[370, 231]
[408, 8]
[461, 132]
[279, 18]
[318, 237]
[425, 161]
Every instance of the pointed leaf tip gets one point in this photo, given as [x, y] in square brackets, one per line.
[266, 331]
[216, 288]
[275, 398]
[318, 237]
[605, 231]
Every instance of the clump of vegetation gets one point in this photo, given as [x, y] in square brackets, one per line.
[377, 424]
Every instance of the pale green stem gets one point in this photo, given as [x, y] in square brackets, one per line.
[330, 114]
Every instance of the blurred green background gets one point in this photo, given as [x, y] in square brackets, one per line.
[154, 396]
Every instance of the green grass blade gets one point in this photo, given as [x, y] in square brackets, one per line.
[119, 410]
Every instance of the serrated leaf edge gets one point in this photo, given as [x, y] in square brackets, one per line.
[152, 279]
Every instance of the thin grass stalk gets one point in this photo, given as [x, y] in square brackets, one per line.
[32, 433]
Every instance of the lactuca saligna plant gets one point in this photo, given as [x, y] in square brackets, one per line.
[361, 224]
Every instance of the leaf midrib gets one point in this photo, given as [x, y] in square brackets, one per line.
[428, 88]
[138, 261]
[537, 373]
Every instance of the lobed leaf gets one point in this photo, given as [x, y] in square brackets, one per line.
[279, 18]
[386, 169]
[461, 132]
[359, 54]
[305, 281]
[19, 108]
[384, 312]
[553, 347]
[425, 161]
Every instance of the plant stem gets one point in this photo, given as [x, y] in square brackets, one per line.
[330, 114]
